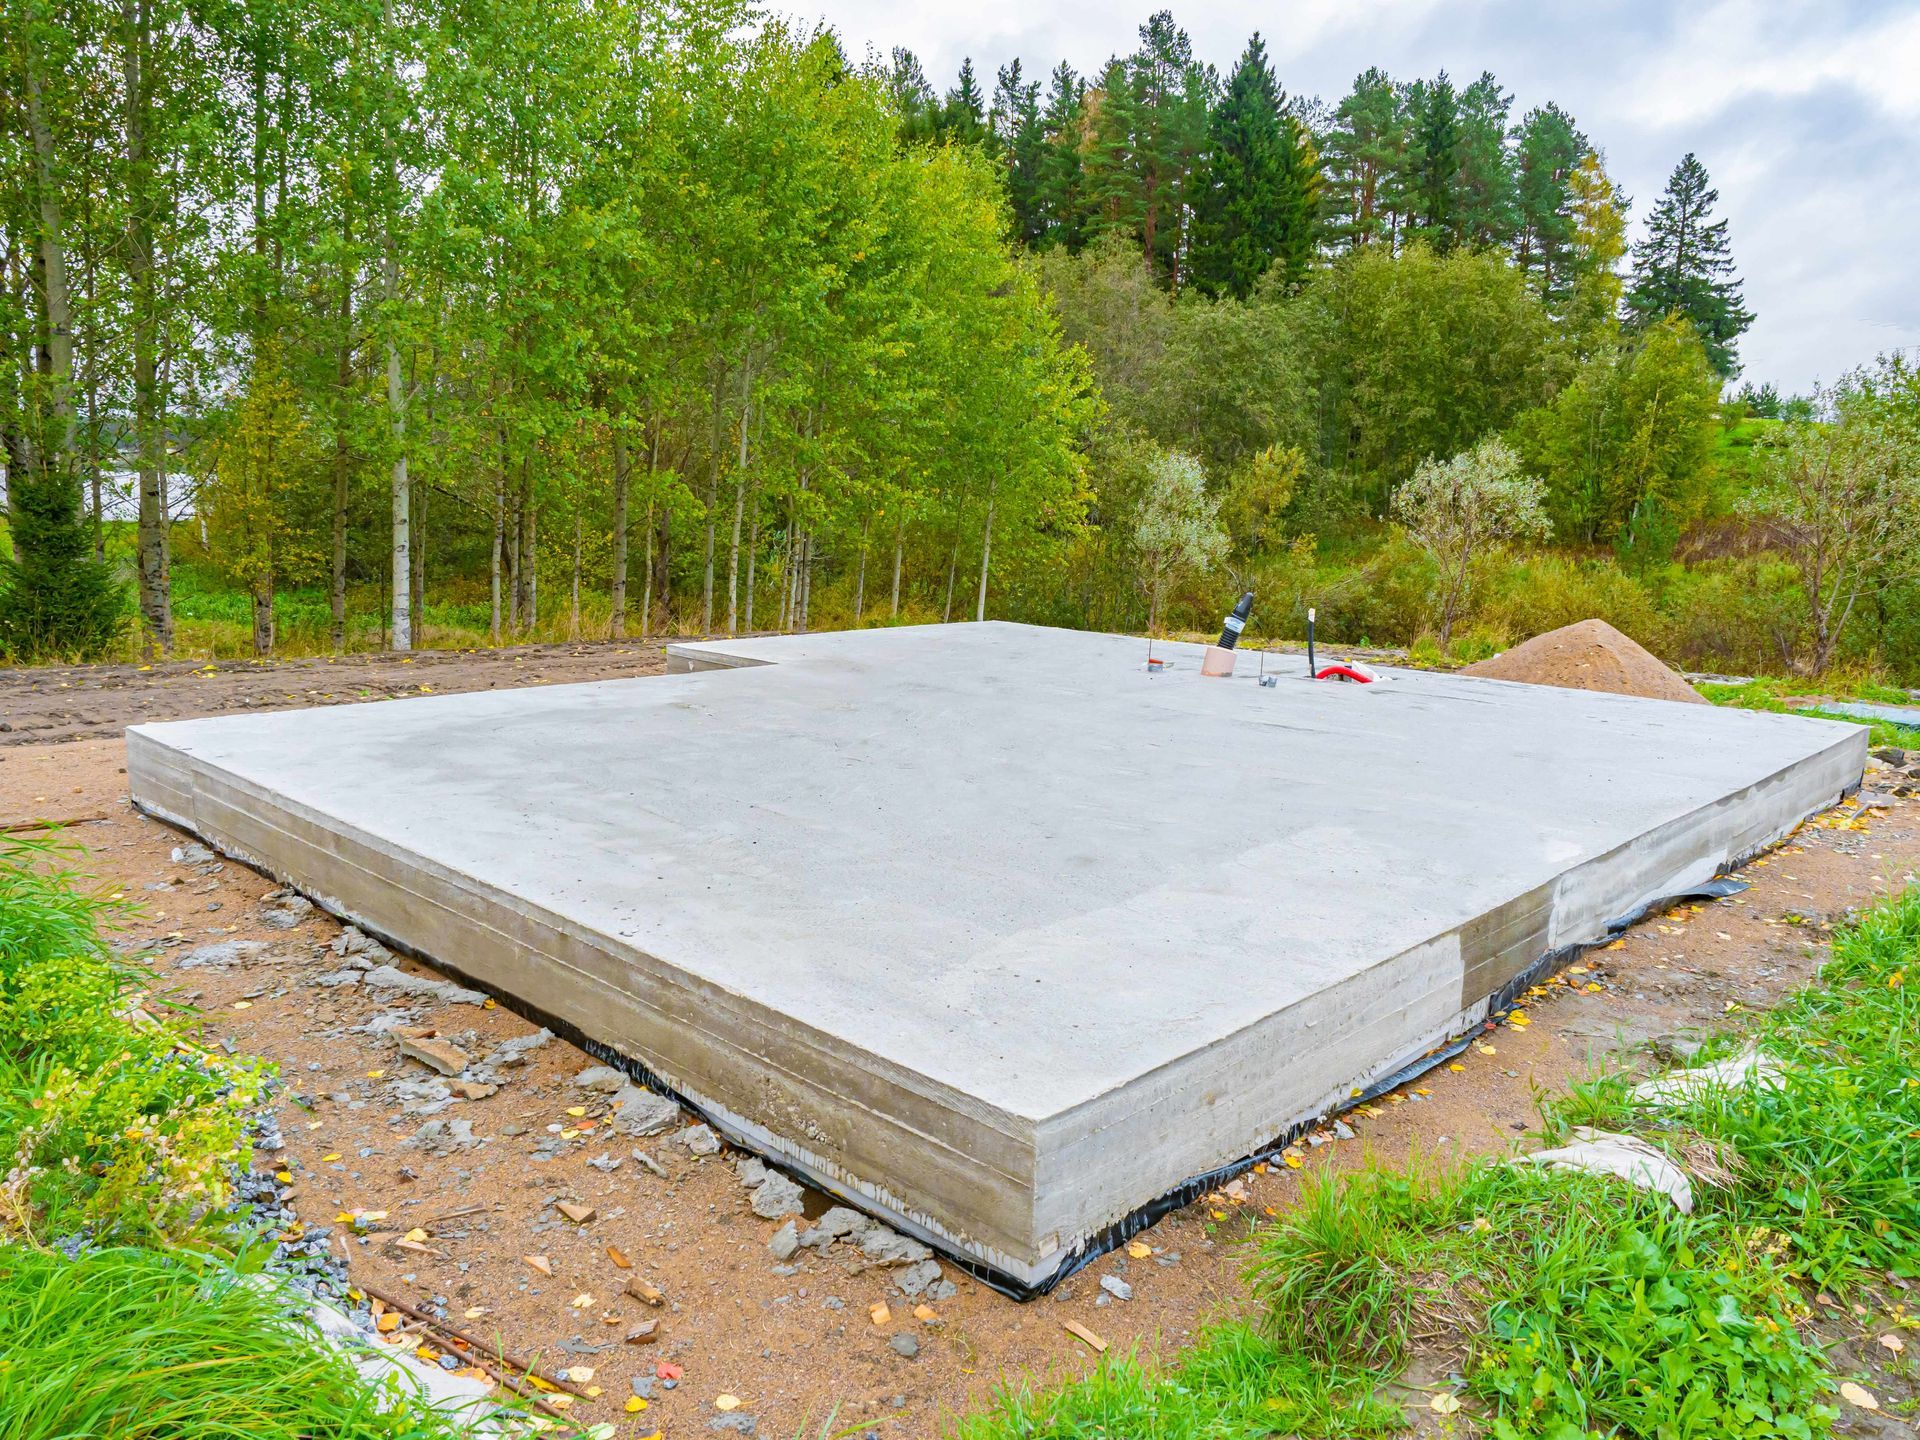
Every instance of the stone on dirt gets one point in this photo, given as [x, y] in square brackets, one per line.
[436, 1054]
[1116, 1287]
[699, 1140]
[390, 977]
[285, 911]
[642, 1112]
[443, 1137]
[777, 1196]
[223, 953]
[786, 1240]
[602, 1078]
[905, 1344]
[915, 1279]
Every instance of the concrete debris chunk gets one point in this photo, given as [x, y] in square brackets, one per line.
[916, 1279]
[421, 1097]
[436, 1054]
[699, 1140]
[390, 977]
[776, 1197]
[840, 1220]
[1116, 1287]
[785, 1242]
[443, 1137]
[286, 911]
[335, 979]
[602, 1078]
[1601, 1152]
[192, 853]
[751, 1172]
[640, 1112]
[881, 1246]
[1737, 1072]
[223, 953]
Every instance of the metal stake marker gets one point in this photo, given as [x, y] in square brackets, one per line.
[1312, 669]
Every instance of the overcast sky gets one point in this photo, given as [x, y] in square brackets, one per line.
[1807, 116]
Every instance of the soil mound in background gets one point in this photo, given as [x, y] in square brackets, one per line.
[1591, 655]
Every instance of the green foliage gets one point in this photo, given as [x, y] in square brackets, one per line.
[1260, 189]
[1628, 437]
[1421, 354]
[168, 1345]
[112, 1124]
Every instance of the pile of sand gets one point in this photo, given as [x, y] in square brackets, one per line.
[1591, 655]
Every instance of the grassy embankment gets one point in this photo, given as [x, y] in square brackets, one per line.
[125, 1304]
[1561, 1306]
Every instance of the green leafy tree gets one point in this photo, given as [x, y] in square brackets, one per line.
[1599, 240]
[1684, 266]
[1844, 492]
[1629, 439]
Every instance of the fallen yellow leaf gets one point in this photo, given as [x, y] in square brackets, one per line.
[1855, 1395]
[1444, 1404]
[1139, 1249]
[726, 1402]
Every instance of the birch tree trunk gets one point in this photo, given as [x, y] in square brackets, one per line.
[342, 419]
[402, 488]
[499, 537]
[899, 547]
[986, 553]
[617, 626]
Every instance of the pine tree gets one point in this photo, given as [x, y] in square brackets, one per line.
[1486, 198]
[1684, 266]
[1256, 204]
[1550, 149]
[1364, 153]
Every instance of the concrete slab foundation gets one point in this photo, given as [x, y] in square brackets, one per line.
[986, 928]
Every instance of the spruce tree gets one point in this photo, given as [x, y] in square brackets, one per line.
[1021, 143]
[963, 118]
[1256, 205]
[1684, 266]
[56, 598]
[1434, 162]
[913, 98]
[1061, 199]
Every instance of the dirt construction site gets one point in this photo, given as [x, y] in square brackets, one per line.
[775, 1252]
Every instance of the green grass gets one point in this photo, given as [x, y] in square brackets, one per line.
[1767, 694]
[134, 1343]
[1568, 1306]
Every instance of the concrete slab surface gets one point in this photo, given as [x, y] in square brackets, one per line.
[985, 927]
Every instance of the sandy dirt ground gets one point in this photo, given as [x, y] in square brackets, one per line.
[793, 1342]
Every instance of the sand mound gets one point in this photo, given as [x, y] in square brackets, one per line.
[1591, 655]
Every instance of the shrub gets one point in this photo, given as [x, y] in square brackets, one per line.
[112, 1124]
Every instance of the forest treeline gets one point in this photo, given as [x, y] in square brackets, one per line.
[423, 319]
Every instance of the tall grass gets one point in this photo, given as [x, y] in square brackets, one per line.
[152, 1345]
